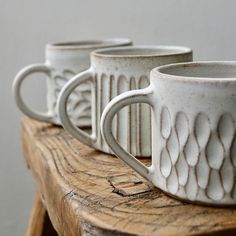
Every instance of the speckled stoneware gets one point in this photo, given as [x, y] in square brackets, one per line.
[193, 130]
[63, 61]
[112, 72]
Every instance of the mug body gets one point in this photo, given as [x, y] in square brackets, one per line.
[123, 69]
[66, 60]
[193, 131]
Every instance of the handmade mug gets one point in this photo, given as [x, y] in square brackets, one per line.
[193, 130]
[63, 61]
[112, 72]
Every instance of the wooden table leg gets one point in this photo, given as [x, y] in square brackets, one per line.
[39, 223]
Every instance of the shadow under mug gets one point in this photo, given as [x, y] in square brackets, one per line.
[63, 61]
[112, 72]
[193, 131]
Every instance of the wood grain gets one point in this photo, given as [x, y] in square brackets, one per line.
[39, 223]
[87, 192]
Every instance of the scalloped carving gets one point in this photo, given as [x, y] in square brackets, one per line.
[202, 171]
[215, 190]
[233, 152]
[165, 163]
[172, 182]
[202, 129]
[79, 102]
[182, 169]
[165, 123]
[191, 150]
[199, 161]
[227, 175]
[192, 186]
[226, 130]
[173, 146]
[182, 128]
[214, 152]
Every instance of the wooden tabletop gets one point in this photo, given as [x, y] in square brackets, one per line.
[87, 192]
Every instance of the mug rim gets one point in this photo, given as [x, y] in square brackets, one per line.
[176, 50]
[162, 71]
[88, 44]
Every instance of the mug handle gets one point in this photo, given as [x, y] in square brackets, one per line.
[63, 97]
[125, 99]
[20, 77]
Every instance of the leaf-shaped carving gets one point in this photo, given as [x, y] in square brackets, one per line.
[165, 163]
[214, 152]
[165, 123]
[191, 150]
[215, 190]
[202, 129]
[172, 182]
[182, 128]
[182, 169]
[226, 130]
[192, 186]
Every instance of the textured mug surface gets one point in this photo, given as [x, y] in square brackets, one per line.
[63, 61]
[114, 71]
[193, 130]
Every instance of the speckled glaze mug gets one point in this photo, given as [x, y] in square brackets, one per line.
[193, 130]
[63, 61]
[112, 72]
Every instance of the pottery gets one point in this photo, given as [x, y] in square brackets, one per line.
[193, 131]
[112, 72]
[63, 61]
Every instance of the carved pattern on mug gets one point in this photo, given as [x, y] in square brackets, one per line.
[79, 103]
[198, 158]
[134, 119]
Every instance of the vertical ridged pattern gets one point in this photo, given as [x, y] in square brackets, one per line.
[144, 122]
[132, 125]
[122, 124]
[105, 98]
[99, 108]
[133, 120]
[114, 93]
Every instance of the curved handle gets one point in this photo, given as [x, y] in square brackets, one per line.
[63, 97]
[20, 77]
[127, 98]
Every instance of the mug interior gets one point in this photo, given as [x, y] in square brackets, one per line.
[142, 51]
[201, 70]
[90, 43]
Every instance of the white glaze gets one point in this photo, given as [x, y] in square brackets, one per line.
[63, 61]
[193, 130]
[112, 72]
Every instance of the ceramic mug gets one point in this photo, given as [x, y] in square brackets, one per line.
[193, 130]
[112, 72]
[63, 61]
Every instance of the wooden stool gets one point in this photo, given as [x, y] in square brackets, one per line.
[39, 222]
[87, 192]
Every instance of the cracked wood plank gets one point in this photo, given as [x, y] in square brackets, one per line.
[128, 184]
[77, 186]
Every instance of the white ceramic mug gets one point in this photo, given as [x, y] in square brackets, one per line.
[112, 72]
[63, 61]
[193, 130]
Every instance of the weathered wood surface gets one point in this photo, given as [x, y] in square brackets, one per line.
[39, 223]
[90, 193]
